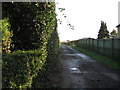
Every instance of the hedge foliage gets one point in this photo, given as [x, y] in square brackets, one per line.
[34, 41]
[20, 67]
[6, 35]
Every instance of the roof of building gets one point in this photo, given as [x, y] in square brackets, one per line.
[118, 25]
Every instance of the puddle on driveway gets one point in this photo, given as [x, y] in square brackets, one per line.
[71, 54]
[74, 70]
[71, 48]
[79, 55]
[77, 70]
[83, 56]
[65, 50]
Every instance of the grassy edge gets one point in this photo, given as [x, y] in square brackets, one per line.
[103, 59]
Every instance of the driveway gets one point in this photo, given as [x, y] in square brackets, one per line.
[81, 71]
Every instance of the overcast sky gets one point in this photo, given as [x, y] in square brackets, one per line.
[86, 17]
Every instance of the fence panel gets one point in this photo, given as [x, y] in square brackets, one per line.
[91, 44]
[116, 50]
[95, 45]
[100, 46]
[108, 47]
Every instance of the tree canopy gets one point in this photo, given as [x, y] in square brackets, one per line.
[103, 32]
[113, 33]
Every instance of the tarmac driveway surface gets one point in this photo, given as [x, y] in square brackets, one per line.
[81, 71]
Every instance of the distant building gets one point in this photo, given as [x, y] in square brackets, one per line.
[118, 26]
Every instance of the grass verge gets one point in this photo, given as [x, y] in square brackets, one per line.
[103, 59]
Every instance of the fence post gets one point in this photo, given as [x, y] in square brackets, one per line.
[97, 46]
[112, 49]
[118, 49]
[103, 47]
[93, 45]
[88, 43]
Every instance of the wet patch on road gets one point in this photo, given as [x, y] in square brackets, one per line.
[82, 56]
[74, 70]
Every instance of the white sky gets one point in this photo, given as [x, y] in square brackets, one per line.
[86, 17]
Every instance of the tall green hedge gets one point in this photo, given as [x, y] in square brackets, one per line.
[34, 41]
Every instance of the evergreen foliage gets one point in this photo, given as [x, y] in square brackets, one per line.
[33, 41]
[103, 32]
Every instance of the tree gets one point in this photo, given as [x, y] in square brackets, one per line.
[113, 33]
[103, 32]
